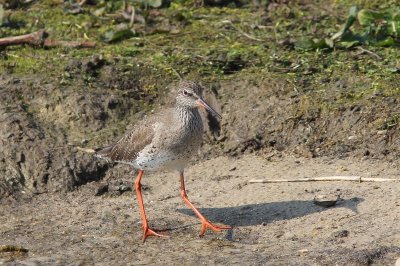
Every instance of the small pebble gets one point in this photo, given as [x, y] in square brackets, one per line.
[326, 201]
[303, 251]
[340, 234]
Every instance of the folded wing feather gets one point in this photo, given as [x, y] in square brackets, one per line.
[127, 148]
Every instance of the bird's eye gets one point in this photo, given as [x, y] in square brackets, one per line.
[186, 93]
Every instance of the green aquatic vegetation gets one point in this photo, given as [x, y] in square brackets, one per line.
[374, 28]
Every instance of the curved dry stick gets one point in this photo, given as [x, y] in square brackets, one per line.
[38, 38]
[325, 178]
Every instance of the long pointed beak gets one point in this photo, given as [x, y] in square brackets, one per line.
[205, 105]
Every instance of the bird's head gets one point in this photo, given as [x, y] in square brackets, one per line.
[190, 95]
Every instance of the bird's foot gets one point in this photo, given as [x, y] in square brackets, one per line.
[205, 224]
[150, 232]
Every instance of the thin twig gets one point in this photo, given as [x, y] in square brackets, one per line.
[36, 38]
[132, 19]
[369, 52]
[242, 32]
[325, 178]
[176, 73]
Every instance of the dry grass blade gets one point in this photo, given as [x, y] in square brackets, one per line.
[87, 150]
[242, 32]
[325, 178]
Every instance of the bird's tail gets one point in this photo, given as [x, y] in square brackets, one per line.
[104, 153]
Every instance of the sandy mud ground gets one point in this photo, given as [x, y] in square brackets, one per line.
[274, 224]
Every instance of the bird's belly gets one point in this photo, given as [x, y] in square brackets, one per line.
[168, 153]
[160, 160]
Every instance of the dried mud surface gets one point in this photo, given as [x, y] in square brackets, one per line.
[274, 224]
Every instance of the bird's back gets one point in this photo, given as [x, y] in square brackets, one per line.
[164, 140]
[127, 148]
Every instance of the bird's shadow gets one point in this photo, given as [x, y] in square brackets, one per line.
[264, 213]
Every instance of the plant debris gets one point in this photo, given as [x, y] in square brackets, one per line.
[121, 32]
[11, 248]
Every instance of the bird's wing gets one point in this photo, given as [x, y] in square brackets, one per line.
[127, 148]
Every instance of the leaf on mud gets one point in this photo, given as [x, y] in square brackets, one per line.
[350, 39]
[394, 69]
[153, 3]
[350, 20]
[349, 44]
[1, 14]
[329, 42]
[368, 17]
[394, 23]
[386, 42]
[121, 32]
[308, 44]
[394, 28]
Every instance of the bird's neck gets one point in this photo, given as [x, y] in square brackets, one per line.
[188, 117]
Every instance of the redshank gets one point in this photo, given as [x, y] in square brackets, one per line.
[165, 141]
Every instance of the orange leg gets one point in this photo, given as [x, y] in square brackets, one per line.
[146, 230]
[204, 222]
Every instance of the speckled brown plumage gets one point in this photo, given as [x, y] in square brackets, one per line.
[165, 141]
[162, 141]
[127, 148]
